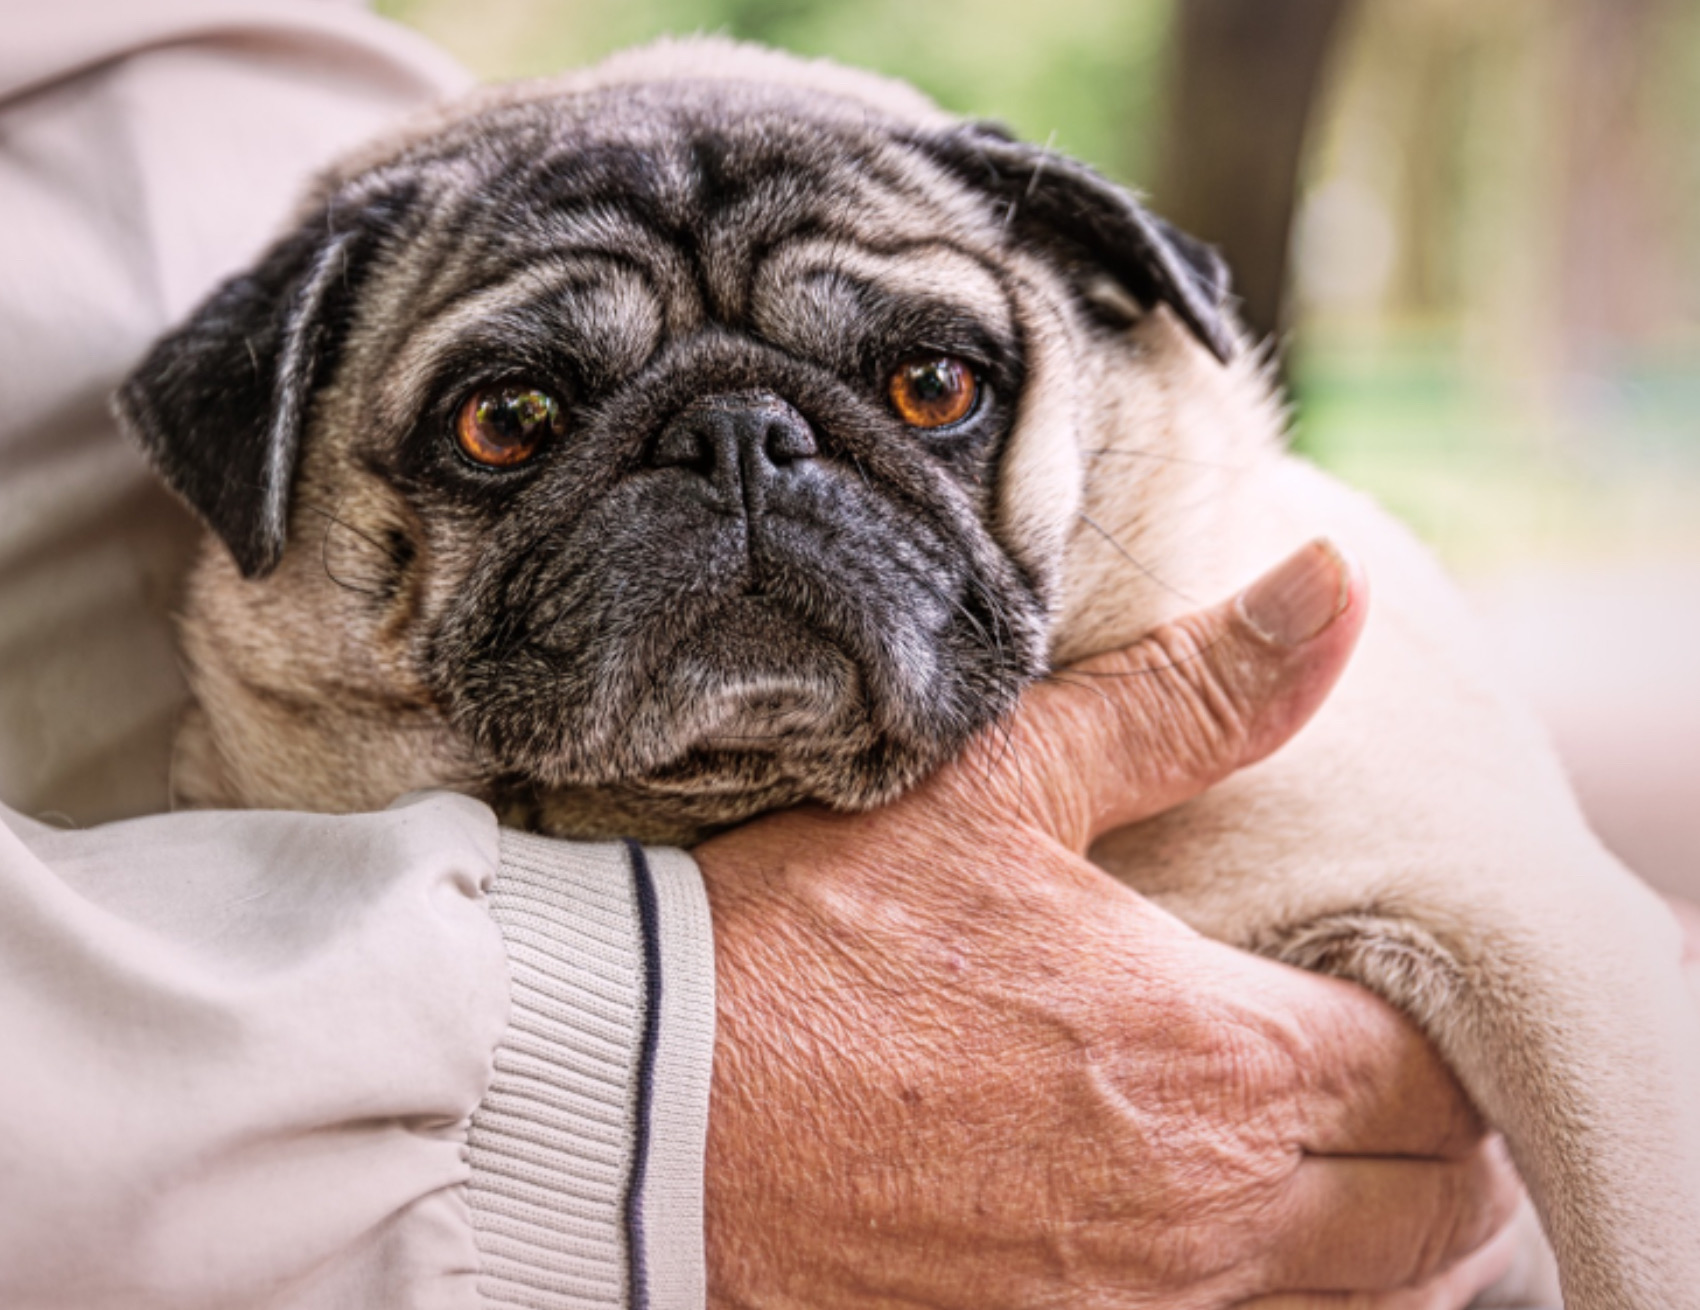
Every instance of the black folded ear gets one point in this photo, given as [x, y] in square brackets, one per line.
[220, 404]
[1052, 196]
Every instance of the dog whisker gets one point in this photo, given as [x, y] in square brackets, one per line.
[333, 521]
[1163, 456]
[1123, 551]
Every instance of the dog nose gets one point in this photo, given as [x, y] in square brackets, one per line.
[742, 446]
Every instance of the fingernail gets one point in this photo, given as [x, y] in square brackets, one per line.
[1298, 600]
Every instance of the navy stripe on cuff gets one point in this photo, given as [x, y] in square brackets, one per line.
[643, 882]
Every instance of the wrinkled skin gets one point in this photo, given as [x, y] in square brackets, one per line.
[1126, 1114]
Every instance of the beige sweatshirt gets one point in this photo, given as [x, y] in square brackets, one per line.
[254, 1059]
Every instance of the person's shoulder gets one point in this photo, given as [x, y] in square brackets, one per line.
[45, 44]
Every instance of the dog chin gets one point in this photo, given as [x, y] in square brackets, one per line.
[744, 689]
[754, 711]
[750, 680]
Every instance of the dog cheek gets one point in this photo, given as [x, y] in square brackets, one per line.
[1039, 487]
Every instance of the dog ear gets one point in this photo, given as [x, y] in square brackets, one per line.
[1055, 197]
[220, 404]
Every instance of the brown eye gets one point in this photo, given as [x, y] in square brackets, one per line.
[503, 426]
[932, 391]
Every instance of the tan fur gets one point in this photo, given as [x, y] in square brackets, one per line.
[1418, 837]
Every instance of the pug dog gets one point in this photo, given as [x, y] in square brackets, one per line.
[714, 431]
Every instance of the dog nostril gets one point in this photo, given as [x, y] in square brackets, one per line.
[685, 445]
[789, 438]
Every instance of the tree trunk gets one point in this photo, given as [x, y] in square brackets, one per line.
[1615, 270]
[1245, 77]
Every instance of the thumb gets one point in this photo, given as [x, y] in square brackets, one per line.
[1129, 734]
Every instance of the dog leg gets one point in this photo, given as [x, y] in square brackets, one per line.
[1580, 1051]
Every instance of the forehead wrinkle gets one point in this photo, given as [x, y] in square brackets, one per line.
[865, 204]
[770, 176]
[469, 247]
[416, 363]
[648, 163]
[607, 227]
[490, 258]
[744, 228]
[621, 185]
[612, 230]
[927, 269]
[889, 207]
[615, 322]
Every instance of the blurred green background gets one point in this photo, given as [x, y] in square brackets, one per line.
[1483, 223]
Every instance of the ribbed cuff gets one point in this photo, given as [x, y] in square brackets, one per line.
[587, 1151]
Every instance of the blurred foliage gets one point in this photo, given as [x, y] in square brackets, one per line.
[1498, 248]
[1499, 275]
[1083, 74]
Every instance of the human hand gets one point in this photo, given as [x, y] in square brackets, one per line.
[958, 1065]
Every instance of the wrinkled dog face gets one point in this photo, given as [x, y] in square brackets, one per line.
[653, 439]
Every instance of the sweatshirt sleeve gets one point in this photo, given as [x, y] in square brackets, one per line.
[587, 1153]
[308, 1062]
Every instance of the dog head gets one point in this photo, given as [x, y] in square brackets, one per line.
[664, 444]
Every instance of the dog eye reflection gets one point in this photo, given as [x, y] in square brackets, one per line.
[932, 391]
[505, 425]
